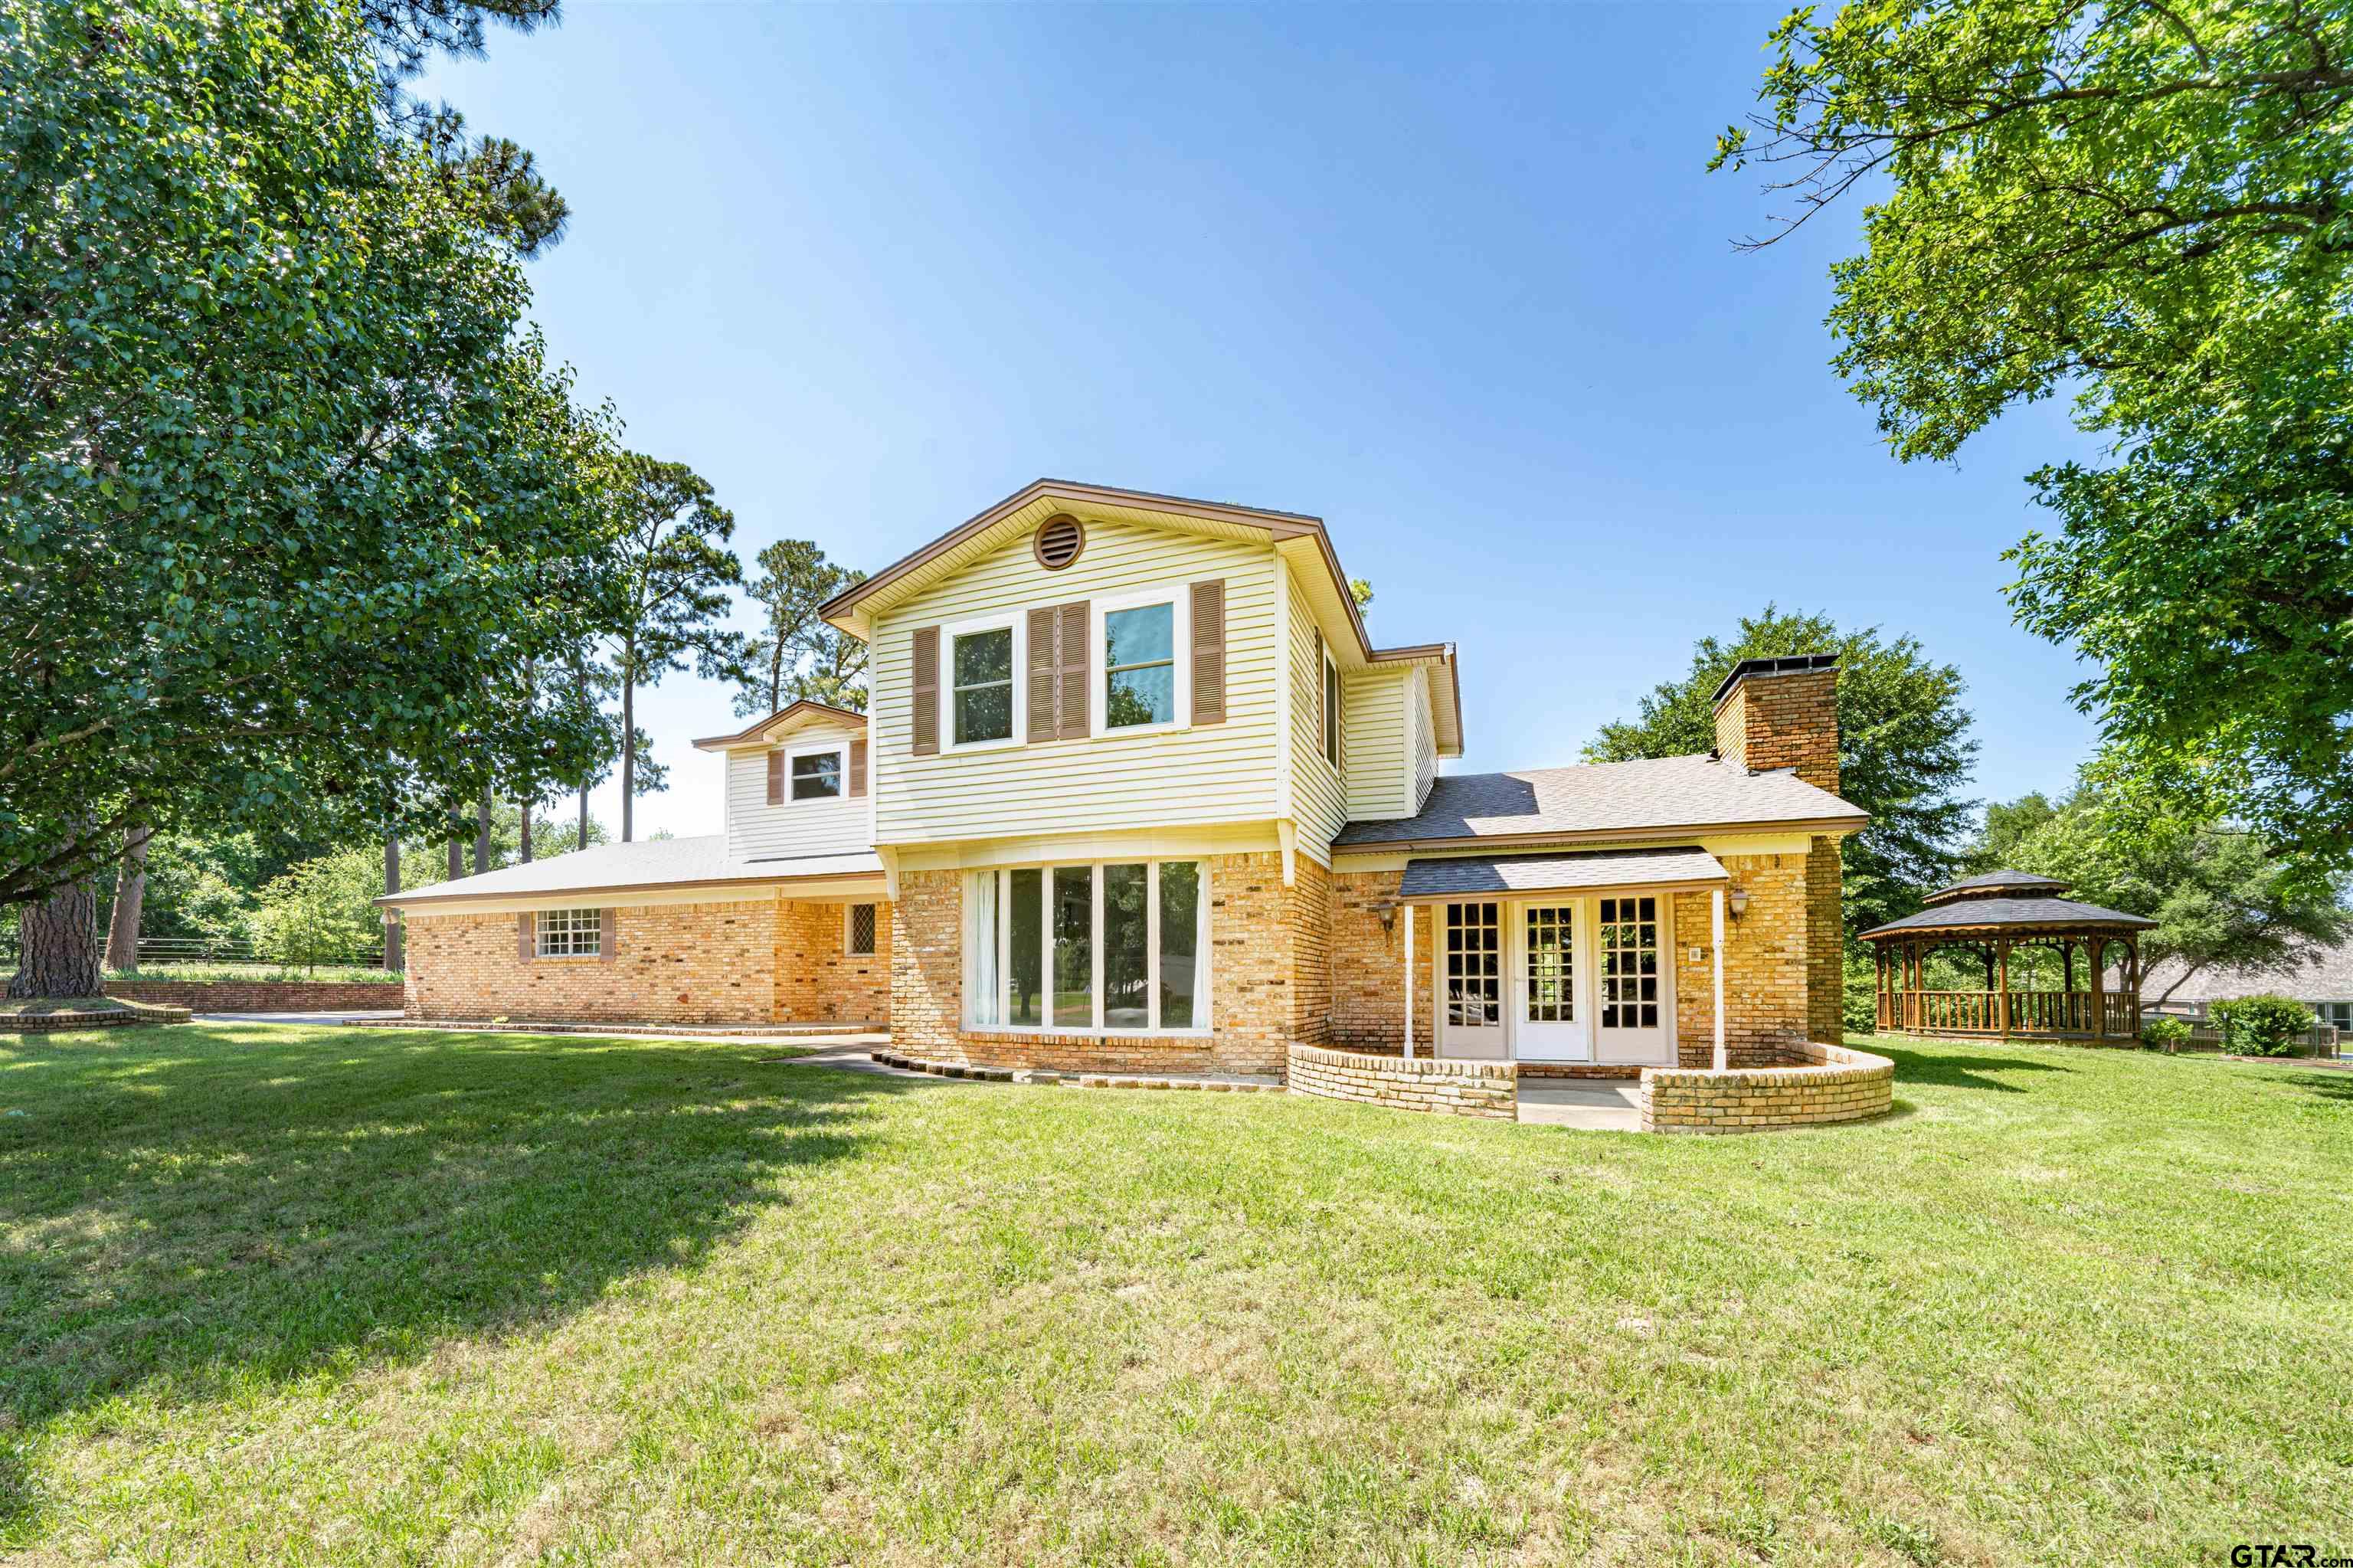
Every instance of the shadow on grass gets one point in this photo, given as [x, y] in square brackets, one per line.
[2328, 1085]
[1962, 1071]
[192, 1210]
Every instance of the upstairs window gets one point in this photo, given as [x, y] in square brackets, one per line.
[1331, 712]
[1140, 667]
[817, 775]
[981, 700]
[571, 933]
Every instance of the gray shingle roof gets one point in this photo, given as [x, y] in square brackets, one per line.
[2025, 882]
[648, 863]
[1971, 912]
[1484, 873]
[2329, 976]
[1658, 793]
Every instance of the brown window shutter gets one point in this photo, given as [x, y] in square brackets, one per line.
[1071, 723]
[776, 779]
[927, 691]
[610, 946]
[526, 942]
[857, 767]
[1039, 666]
[1209, 652]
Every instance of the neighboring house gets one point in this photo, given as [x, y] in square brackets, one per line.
[1137, 790]
[2324, 983]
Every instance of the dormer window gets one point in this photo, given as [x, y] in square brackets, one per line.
[817, 775]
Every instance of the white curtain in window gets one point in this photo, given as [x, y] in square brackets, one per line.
[980, 941]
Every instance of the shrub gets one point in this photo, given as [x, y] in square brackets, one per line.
[2164, 1033]
[2262, 1025]
[1860, 1004]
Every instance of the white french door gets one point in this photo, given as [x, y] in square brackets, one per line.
[1547, 1018]
[1471, 982]
[1633, 1011]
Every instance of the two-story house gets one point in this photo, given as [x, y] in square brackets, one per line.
[1135, 789]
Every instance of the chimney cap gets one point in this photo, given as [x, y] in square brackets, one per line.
[1787, 664]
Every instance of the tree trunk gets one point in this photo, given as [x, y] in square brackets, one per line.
[57, 945]
[524, 843]
[392, 916]
[130, 900]
[457, 849]
[584, 815]
[483, 833]
[628, 751]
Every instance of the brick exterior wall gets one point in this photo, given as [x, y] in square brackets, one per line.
[673, 963]
[818, 979]
[1825, 943]
[1368, 965]
[1823, 1084]
[1445, 1088]
[927, 965]
[261, 996]
[1782, 721]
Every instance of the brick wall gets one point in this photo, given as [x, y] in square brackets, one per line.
[1307, 927]
[1488, 1089]
[674, 963]
[261, 996]
[1782, 721]
[1368, 964]
[1825, 1083]
[818, 981]
[1825, 943]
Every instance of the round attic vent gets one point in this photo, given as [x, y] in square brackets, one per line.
[1058, 541]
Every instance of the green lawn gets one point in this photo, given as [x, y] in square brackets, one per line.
[282, 1295]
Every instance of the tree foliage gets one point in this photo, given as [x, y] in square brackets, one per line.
[2146, 207]
[320, 912]
[675, 569]
[796, 654]
[287, 488]
[1905, 750]
[2220, 898]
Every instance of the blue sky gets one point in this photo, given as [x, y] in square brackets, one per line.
[1453, 279]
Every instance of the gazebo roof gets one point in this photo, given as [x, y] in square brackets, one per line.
[1988, 912]
[1996, 883]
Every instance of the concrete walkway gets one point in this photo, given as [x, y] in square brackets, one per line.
[347, 1016]
[1607, 1105]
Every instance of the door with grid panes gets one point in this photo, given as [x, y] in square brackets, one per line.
[1633, 1007]
[1548, 1014]
[1469, 962]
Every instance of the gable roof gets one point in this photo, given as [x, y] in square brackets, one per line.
[791, 716]
[2326, 976]
[1676, 795]
[1299, 538]
[636, 866]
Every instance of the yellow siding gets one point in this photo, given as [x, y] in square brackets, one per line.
[1424, 726]
[1210, 773]
[1374, 715]
[1316, 800]
[758, 830]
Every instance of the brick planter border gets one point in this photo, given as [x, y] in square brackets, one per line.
[49, 1022]
[1826, 1083]
[1439, 1086]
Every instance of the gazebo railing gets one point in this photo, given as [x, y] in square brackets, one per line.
[2031, 1012]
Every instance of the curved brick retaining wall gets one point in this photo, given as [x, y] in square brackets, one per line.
[261, 996]
[1825, 1083]
[1445, 1087]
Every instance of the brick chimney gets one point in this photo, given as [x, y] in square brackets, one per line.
[1781, 713]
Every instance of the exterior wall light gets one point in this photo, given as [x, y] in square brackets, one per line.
[1737, 902]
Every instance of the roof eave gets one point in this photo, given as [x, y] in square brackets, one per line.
[1828, 826]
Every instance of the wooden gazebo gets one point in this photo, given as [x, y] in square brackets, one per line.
[1993, 917]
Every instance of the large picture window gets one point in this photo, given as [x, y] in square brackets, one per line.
[1117, 947]
[570, 933]
[981, 695]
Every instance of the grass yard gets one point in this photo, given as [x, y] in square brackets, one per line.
[273, 1294]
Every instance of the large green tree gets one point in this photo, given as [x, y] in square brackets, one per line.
[796, 654]
[286, 486]
[1905, 750]
[2147, 207]
[676, 569]
[2220, 897]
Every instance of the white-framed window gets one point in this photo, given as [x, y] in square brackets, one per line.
[816, 772]
[982, 701]
[1143, 682]
[1109, 948]
[570, 933]
[858, 930]
[1331, 710]
[2336, 1014]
